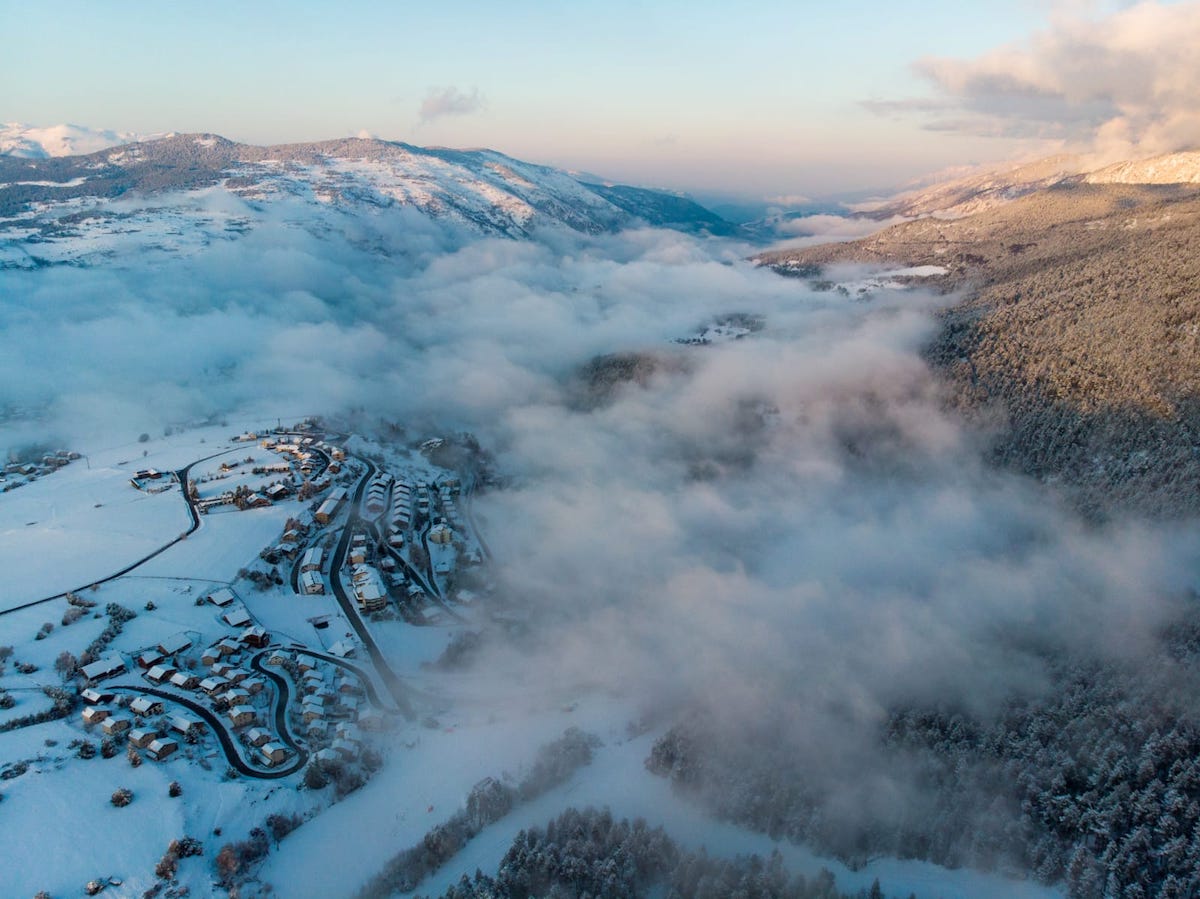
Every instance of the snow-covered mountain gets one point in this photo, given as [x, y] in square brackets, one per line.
[187, 190]
[31, 142]
[990, 187]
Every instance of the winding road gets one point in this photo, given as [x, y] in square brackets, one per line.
[182, 475]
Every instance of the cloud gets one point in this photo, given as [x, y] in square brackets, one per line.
[789, 526]
[1123, 82]
[450, 101]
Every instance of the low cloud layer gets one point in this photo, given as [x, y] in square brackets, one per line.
[440, 102]
[787, 524]
[1117, 85]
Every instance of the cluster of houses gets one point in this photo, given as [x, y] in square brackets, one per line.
[48, 463]
[155, 745]
[376, 498]
[331, 706]
[400, 515]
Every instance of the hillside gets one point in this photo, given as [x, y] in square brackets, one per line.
[1076, 336]
[167, 194]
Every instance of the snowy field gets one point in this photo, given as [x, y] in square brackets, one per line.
[428, 778]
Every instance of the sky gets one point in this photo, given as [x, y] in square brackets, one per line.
[767, 99]
[773, 99]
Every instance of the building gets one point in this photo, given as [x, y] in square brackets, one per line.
[235, 697]
[343, 649]
[441, 534]
[242, 715]
[214, 685]
[116, 724]
[146, 705]
[311, 583]
[185, 724]
[314, 557]
[237, 618]
[160, 748]
[185, 680]
[160, 673]
[95, 697]
[369, 590]
[273, 753]
[276, 492]
[102, 668]
[256, 636]
[95, 714]
[257, 736]
[141, 738]
[222, 597]
[175, 644]
[149, 658]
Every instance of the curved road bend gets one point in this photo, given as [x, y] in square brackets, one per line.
[364, 677]
[228, 743]
[182, 474]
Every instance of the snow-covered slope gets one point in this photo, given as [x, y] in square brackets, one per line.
[1171, 168]
[185, 191]
[30, 142]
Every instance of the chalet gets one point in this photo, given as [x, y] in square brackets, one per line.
[347, 684]
[210, 656]
[237, 675]
[176, 644]
[277, 657]
[222, 597]
[102, 668]
[147, 474]
[235, 697]
[222, 669]
[116, 724]
[273, 753]
[311, 583]
[141, 738]
[146, 705]
[336, 452]
[185, 724]
[213, 685]
[291, 536]
[256, 636]
[227, 646]
[276, 492]
[246, 437]
[254, 685]
[237, 617]
[343, 649]
[161, 748]
[242, 715]
[313, 558]
[305, 663]
[149, 658]
[326, 511]
[348, 731]
[95, 714]
[185, 680]
[326, 755]
[347, 749]
[334, 467]
[95, 696]
[316, 729]
[290, 550]
[312, 711]
[257, 501]
[256, 736]
[358, 555]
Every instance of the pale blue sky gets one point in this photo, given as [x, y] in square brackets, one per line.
[762, 98]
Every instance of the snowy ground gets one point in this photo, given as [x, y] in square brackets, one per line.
[428, 777]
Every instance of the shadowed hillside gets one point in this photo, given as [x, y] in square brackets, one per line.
[1077, 336]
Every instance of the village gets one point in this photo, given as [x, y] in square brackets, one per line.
[283, 671]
